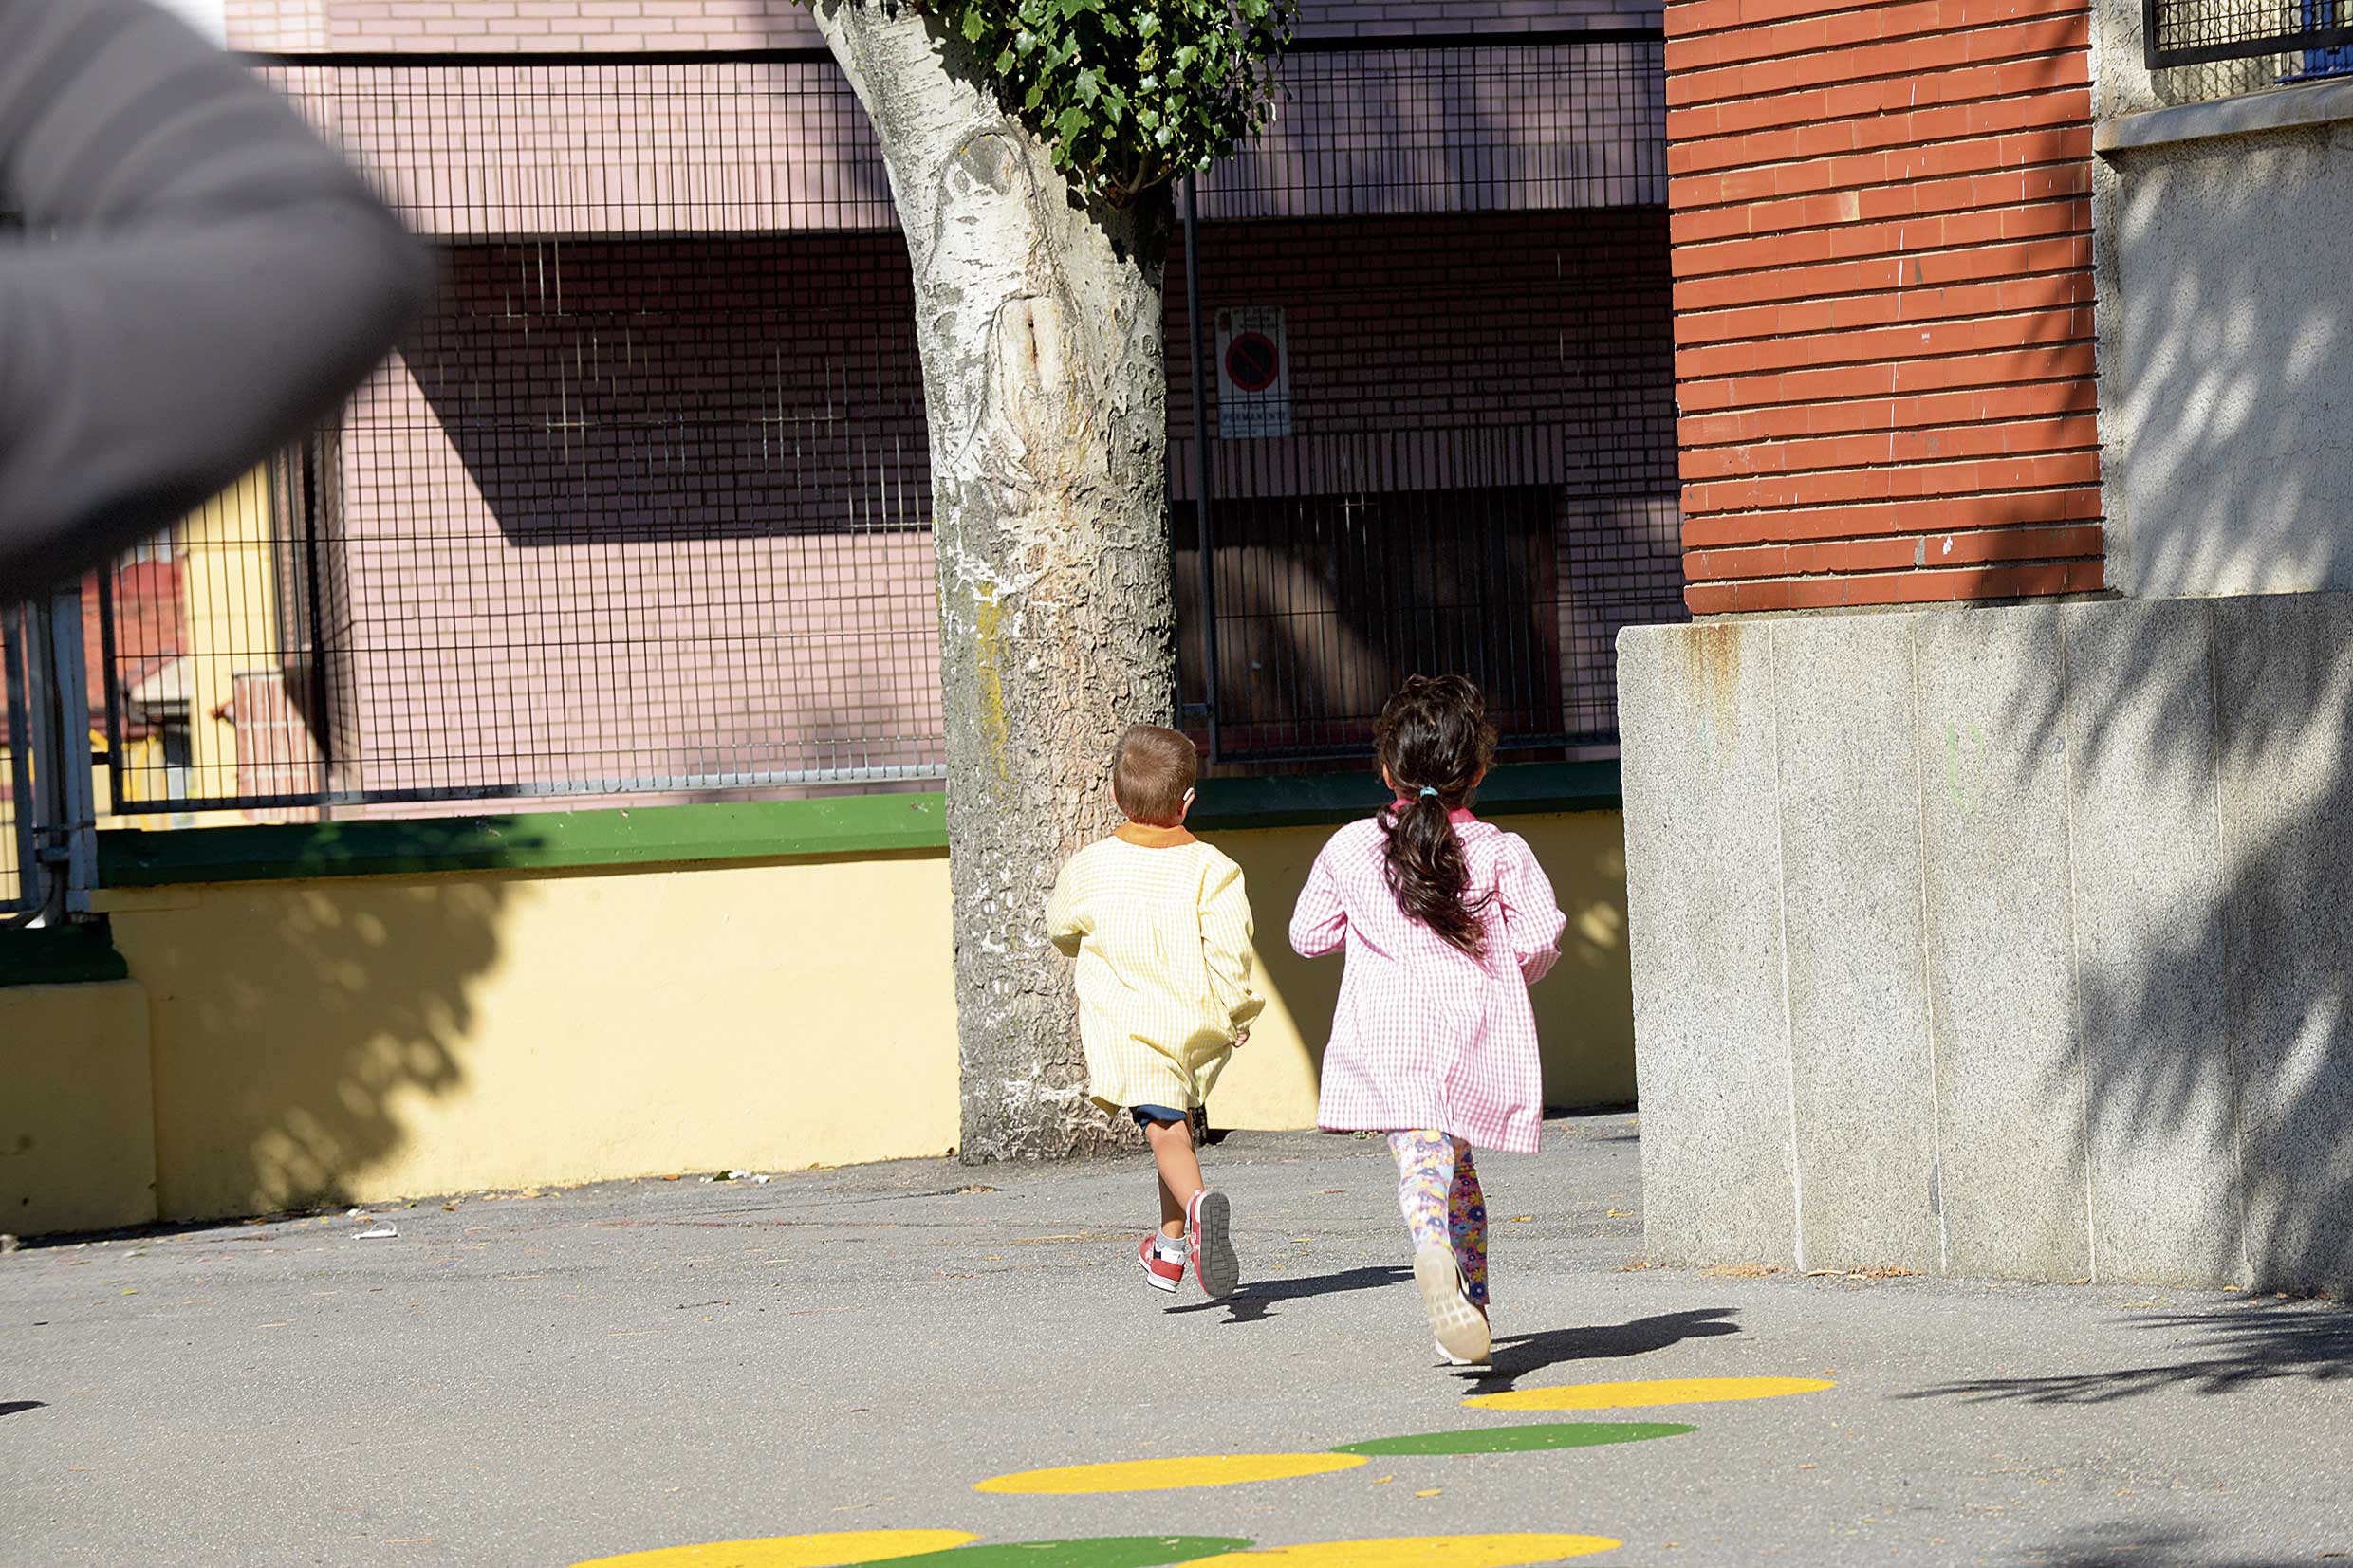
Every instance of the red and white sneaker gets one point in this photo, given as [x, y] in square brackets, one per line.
[1209, 1243]
[1161, 1272]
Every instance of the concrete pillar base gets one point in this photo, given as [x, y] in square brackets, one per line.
[2007, 942]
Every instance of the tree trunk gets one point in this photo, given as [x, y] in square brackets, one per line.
[1040, 328]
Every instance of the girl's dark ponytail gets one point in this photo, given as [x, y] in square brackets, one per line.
[1434, 742]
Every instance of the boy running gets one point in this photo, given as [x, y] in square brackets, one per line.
[1160, 927]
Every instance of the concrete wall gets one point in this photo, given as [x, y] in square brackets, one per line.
[1998, 941]
[2227, 374]
[2220, 203]
[360, 1039]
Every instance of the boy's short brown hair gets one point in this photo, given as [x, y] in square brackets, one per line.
[1151, 773]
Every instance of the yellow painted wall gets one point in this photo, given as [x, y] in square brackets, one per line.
[363, 1039]
[76, 1121]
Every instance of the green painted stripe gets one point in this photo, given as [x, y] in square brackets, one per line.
[78, 954]
[760, 830]
[1314, 799]
[1554, 1434]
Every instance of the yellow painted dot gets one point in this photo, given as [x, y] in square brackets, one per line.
[1663, 1390]
[822, 1551]
[1422, 1552]
[1168, 1475]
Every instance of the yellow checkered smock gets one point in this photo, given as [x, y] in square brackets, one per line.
[1160, 928]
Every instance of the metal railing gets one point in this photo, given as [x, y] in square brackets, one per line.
[2314, 37]
[20, 879]
[47, 817]
[642, 510]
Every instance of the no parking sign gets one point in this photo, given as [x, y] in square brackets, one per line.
[1253, 373]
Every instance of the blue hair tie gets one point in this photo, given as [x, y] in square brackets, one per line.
[1429, 794]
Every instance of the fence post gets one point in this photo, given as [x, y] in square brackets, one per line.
[18, 657]
[67, 832]
[1204, 536]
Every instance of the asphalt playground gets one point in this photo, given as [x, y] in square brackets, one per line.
[952, 1366]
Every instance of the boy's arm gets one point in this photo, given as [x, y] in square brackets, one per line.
[1065, 923]
[1225, 933]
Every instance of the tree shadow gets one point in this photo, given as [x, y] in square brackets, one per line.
[2191, 760]
[298, 1028]
[1519, 1356]
[2207, 743]
[2129, 1546]
[2239, 1350]
[1250, 1304]
[2186, 763]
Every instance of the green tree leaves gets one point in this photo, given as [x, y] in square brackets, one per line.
[1129, 94]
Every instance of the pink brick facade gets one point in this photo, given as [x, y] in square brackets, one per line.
[669, 417]
[625, 26]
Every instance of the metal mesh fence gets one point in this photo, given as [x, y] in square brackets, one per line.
[17, 890]
[2279, 40]
[642, 509]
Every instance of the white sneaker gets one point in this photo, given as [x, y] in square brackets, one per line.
[1459, 1326]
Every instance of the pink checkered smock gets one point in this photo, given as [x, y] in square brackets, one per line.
[1426, 1035]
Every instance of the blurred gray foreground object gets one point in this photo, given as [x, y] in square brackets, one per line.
[199, 279]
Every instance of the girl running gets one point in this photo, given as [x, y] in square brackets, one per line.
[1446, 921]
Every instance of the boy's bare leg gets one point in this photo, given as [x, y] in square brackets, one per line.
[1180, 1171]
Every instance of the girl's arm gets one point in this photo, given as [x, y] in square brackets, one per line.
[1065, 924]
[1320, 924]
[1226, 932]
[1532, 922]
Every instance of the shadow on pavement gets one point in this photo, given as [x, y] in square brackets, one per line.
[2114, 1547]
[1249, 1304]
[1517, 1355]
[16, 1407]
[2258, 1345]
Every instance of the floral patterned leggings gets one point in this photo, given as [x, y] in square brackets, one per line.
[1438, 1190]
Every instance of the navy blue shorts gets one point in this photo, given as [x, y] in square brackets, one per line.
[1146, 1115]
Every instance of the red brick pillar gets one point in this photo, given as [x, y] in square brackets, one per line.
[1883, 300]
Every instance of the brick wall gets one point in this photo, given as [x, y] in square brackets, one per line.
[1883, 284]
[658, 507]
[472, 150]
[648, 509]
[1471, 351]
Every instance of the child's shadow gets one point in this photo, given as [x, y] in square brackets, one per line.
[1249, 1304]
[1517, 1355]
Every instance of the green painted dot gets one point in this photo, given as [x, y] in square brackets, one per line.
[1095, 1552]
[1553, 1435]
